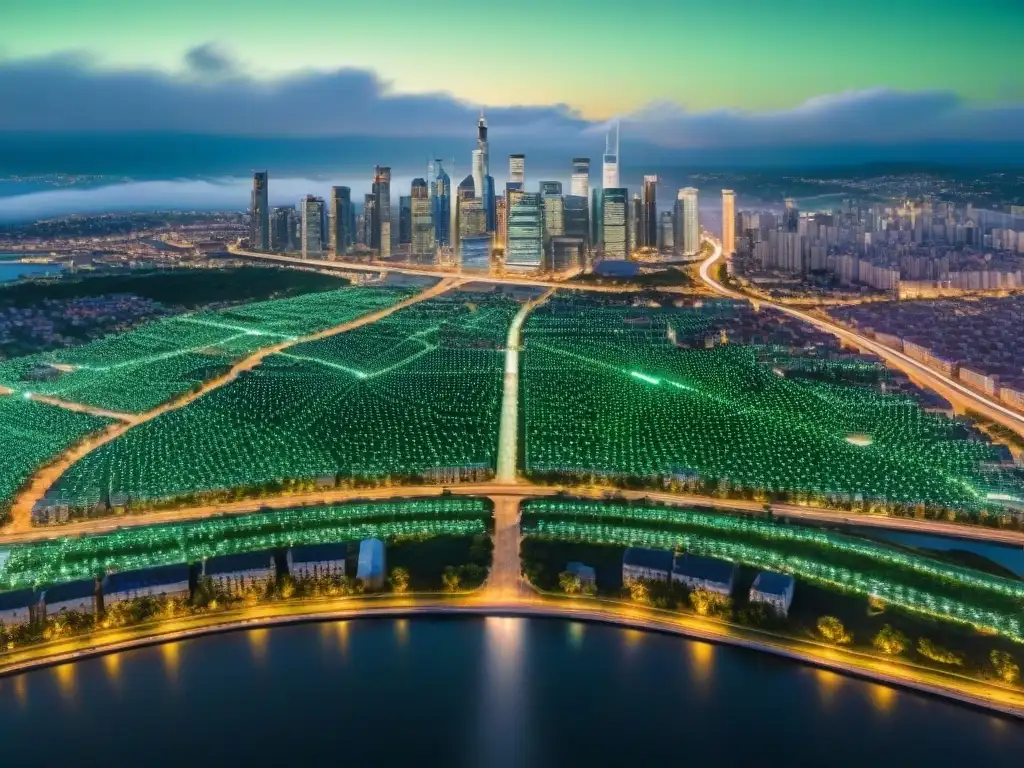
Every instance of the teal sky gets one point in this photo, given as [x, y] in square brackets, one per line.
[601, 57]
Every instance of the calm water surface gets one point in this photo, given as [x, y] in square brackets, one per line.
[14, 270]
[476, 692]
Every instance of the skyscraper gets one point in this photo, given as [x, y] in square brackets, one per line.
[312, 213]
[550, 187]
[259, 234]
[649, 224]
[581, 177]
[423, 230]
[483, 183]
[610, 170]
[666, 231]
[614, 223]
[441, 204]
[405, 219]
[368, 219]
[636, 222]
[525, 251]
[501, 221]
[517, 170]
[577, 217]
[282, 229]
[791, 217]
[380, 232]
[474, 242]
[728, 222]
[687, 223]
[341, 220]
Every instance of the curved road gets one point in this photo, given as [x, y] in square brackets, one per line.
[44, 478]
[955, 392]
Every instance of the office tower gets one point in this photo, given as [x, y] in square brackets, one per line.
[517, 170]
[728, 222]
[566, 253]
[380, 233]
[666, 231]
[577, 217]
[512, 196]
[368, 219]
[554, 215]
[474, 242]
[441, 204]
[423, 229]
[312, 212]
[467, 189]
[478, 176]
[259, 227]
[614, 225]
[687, 235]
[636, 221]
[501, 221]
[483, 183]
[525, 251]
[610, 170]
[405, 219]
[791, 217]
[282, 229]
[580, 186]
[649, 223]
[490, 203]
[341, 220]
[550, 188]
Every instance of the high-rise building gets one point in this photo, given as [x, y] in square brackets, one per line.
[791, 217]
[525, 251]
[666, 231]
[259, 234]
[380, 233]
[483, 182]
[610, 169]
[581, 177]
[369, 203]
[423, 229]
[517, 170]
[467, 189]
[282, 229]
[636, 221]
[566, 253]
[512, 195]
[312, 212]
[614, 224]
[687, 235]
[728, 222]
[474, 242]
[341, 220]
[405, 219]
[577, 217]
[548, 188]
[501, 221]
[441, 205]
[649, 224]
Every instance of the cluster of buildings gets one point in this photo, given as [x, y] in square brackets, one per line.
[473, 226]
[912, 249]
[706, 573]
[53, 323]
[976, 341]
[233, 574]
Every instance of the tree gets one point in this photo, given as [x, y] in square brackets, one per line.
[450, 580]
[399, 581]
[1006, 668]
[570, 583]
[639, 592]
[833, 631]
[708, 603]
[929, 650]
[890, 641]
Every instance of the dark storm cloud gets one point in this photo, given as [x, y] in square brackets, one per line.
[214, 96]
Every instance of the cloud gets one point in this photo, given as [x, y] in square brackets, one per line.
[875, 116]
[208, 59]
[213, 95]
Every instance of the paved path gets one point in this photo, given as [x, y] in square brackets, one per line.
[505, 580]
[957, 394]
[508, 430]
[44, 478]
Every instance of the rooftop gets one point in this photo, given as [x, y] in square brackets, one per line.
[705, 568]
[72, 590]
[148, 577]
[21, 598]
[246, 561]
[655, 559]
[770, 583]
[319, 553]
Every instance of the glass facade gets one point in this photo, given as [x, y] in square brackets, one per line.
[525, 251]
[312, 213]
[259, 232]
[614, 223]
[341, 220]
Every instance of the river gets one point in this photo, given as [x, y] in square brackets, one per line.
[11, 269]
[476, 692]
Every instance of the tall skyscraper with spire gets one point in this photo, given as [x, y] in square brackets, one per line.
[483, 182]
[610, 174]
[441, 204]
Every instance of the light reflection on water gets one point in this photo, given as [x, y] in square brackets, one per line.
[504, 724]
[702, 662]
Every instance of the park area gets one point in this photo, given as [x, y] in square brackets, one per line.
[415, 393]
[657, 394]
[135, 371]
[31, 433]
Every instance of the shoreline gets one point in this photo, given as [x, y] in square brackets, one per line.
[993, 698]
